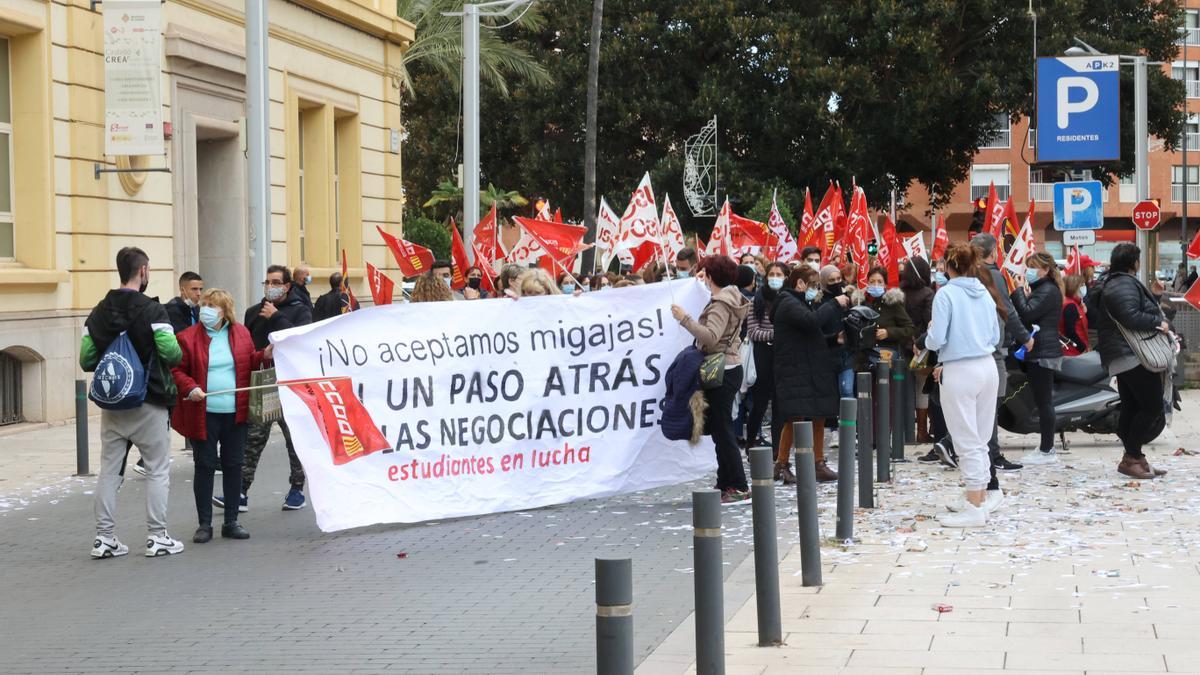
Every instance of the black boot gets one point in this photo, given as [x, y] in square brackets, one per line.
[234, 531]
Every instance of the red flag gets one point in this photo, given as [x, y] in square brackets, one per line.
[858, 232]
[341, 417]
[720, 242]
[808, 230]
[381, 286]
[558, 215]
[993, 222]
[941, 239]
[701, 249]
[748, 234]
[1193, 295]
[1193, 249]
[485, 243]
[352, 304]
[561, 241]
[458, 258]
[1011, 226]
[892, 244]
[823, 223]
[839, 224]
[1073, 261]
[413, 259]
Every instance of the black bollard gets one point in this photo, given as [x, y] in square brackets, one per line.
[81, 428]
[866, 443]
[883, 430]
[614, 616]
[899, 369]
[847, 453]
[710, 581]
[806, 503]
[766, 548]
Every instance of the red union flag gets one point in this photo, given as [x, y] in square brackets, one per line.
[1073, 262]
[721, 240]
[639, 231]
[485, 243]
[458, 256]
[749, 236]
[889, 252]
[823, 225]
[780, 244]
[941, 239]
[809, 234]
[561, 241]
[858, 230]
[672, 233]
[341, 417]
[413, 259]
[381, 285]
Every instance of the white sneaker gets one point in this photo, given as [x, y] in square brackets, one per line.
[969, 516]
[108, 547]
[993, 501]
[1036, 457]
[139, 468]
[162, 544]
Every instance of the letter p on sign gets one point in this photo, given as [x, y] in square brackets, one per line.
[1078, 200]
[1067, 107]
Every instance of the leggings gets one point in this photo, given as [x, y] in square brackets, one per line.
[718, 421]
[1042, 381]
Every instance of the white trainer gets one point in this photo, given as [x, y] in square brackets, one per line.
[108, 547]
[1037, 457]
[969, 516]
[993, 501]
[162, 544]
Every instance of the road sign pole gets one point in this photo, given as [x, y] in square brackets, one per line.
[1141, 135]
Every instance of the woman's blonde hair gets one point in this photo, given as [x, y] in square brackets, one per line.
[429, 288]
[221, 299]
[537, 279]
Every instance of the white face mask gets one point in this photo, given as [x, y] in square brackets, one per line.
[816, 266]
[210, 317]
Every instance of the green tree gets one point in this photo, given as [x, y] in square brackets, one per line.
[428, 233]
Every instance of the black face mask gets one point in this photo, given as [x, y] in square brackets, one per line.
[474, 282]
[145, 284]
[836, 289]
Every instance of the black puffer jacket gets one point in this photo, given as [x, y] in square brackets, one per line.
[1121, 297]
[1043, 308]
[918, 295]
[806, 369]
[182, 316]
[293, 311]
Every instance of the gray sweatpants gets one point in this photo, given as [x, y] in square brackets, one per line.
[145, 427]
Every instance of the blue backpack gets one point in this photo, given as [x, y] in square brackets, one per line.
[119, 382]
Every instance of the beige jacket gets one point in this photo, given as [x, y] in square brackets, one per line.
[720, 324]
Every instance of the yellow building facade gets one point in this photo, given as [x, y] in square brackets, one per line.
[335, 132]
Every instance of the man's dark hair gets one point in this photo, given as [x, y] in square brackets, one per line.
[189, 277]
[1124, 257]
[129, 260]
[440, 263]
[287, 274]
[809, 250]
[686, 254]
[335, 281]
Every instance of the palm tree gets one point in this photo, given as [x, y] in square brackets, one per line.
[438, 46]
[447, 192]
[509, 199]
[589, 143]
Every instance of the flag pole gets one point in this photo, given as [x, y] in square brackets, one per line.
[276, 385]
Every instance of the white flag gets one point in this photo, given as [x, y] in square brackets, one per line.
[639, 225]
[914, 246]
[1021, 249]
[721, 241]
[608, 231]
[672, 233]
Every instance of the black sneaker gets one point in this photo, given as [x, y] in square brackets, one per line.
[945, 451]
[931, 457]
[1002, 464]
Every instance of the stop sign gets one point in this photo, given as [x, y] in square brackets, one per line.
[1146, 215]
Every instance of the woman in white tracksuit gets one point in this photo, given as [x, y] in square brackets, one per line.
[964, 331]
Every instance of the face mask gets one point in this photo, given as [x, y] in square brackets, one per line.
[568, 288]
[875, 291]
[474, 282]
[188, 302]
[308, 280]
[210, 317]
[604, 287]
[145, 284]
[448, 281]
[836, 289]
[683, 275]
[816, 266]
[276, 293]
[775, 283]
[585, 288]
[1082, 292]
[810, 294]
[940, 279]
[1031, 275]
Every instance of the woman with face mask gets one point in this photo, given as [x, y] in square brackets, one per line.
[474, 289]
[893, 328]
[761, 334]
[918, 302]
[806, 369]
[1039, 302]
[218, 355]
[1073, 326]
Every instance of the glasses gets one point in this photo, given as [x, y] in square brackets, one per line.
[274, 282]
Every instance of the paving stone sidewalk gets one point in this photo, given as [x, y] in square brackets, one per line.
[1082, 571]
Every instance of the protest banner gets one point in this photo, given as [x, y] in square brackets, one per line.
[511, 405]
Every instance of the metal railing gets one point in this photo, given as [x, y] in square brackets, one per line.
[1044, 192]
[1191, 139]
[981, 192]
[10, 389]
[1188, 36]
[1000, 138]
[1192, 87]
[1193, 193]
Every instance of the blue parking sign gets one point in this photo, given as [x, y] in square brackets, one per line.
[1078, 109]
[1079, 205]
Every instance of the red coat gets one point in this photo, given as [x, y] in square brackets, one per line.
[188, 418]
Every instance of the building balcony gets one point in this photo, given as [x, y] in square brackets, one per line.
[1188, 36]
[1044, 193]
[981, 192]
[1192, 87]
[1193, 193]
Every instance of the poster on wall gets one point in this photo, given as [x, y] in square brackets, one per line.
[133, 122]
[415, 412]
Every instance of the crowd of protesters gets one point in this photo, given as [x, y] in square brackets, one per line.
[783, 333]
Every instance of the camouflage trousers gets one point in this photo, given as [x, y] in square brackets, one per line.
[256, 440]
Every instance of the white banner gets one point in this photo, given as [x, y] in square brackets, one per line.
[496, 405]
[132, 77]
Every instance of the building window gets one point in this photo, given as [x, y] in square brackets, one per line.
[1178, 183]
[1189, 32]
[1001, 136]
[8, 242]
[1127, 189]
[1032, 142]
[1191, 134]
[1189, 73]
[984, 175]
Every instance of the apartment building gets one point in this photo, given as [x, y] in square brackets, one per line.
[335, 131]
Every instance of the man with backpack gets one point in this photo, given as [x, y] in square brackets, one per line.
[129, 344]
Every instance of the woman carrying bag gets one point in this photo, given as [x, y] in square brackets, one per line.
[218, 355]
[1039, 302]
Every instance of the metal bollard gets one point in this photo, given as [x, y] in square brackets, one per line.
[81, 429]
[766, 548]
[806, 503]
[614, 616]
[883, 430]
[847, 453]
[899, 370]
[866, 443]
[710, 581]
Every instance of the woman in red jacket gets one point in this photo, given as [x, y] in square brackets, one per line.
[1073, 324]
[218, 355]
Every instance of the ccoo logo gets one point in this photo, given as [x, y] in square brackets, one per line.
[113, 379]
